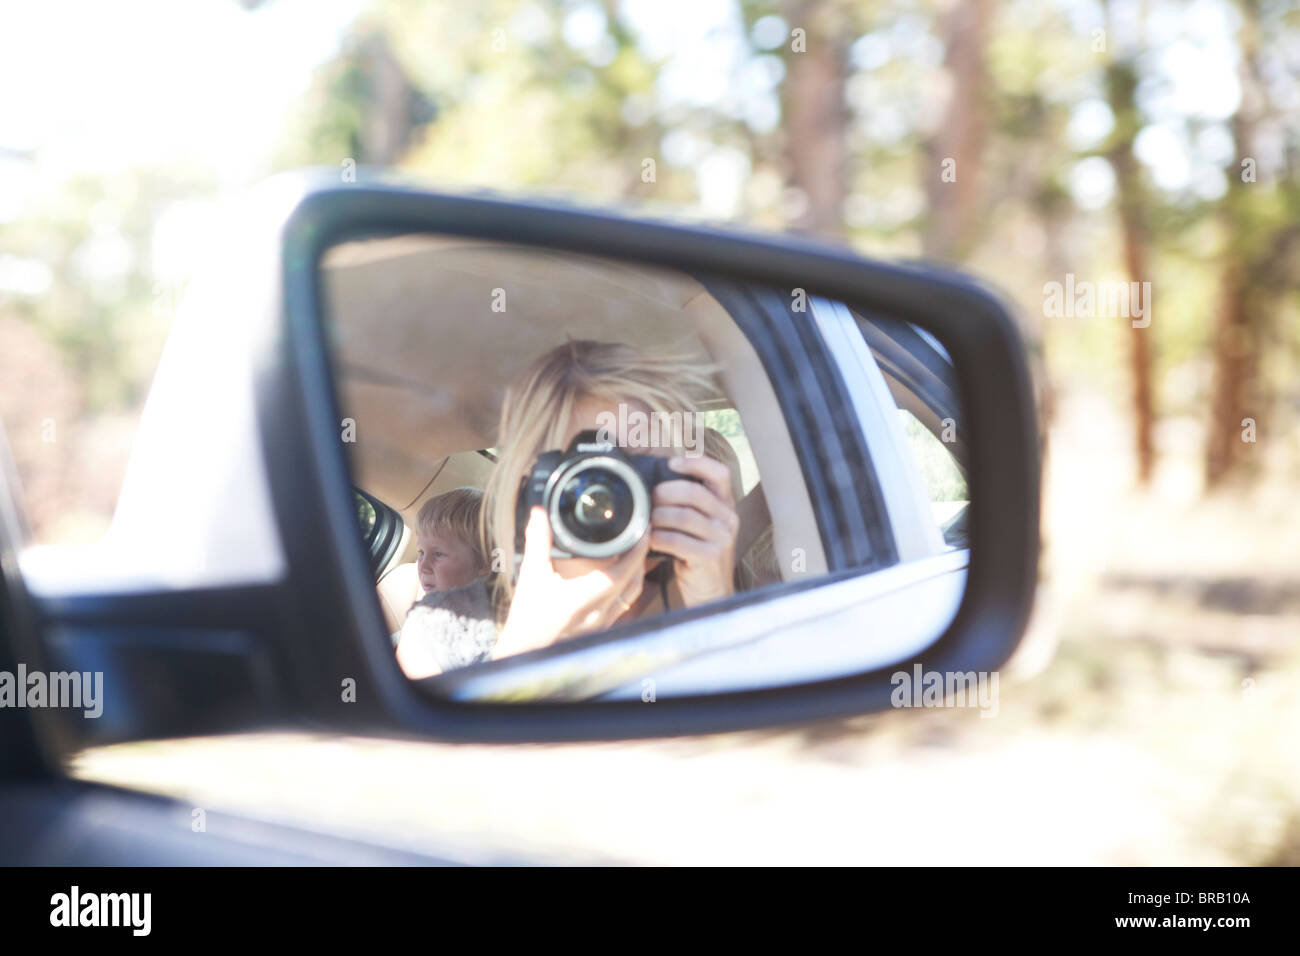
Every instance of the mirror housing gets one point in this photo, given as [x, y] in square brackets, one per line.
[272, 593]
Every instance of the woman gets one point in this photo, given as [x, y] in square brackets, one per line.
[693, 523]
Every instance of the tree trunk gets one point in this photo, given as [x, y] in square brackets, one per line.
[816, 117]
[1135, 265]
[1235, 367]
[1121, 85]
[1243, 307]
[951, 172]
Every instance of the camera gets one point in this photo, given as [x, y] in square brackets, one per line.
[596, 496]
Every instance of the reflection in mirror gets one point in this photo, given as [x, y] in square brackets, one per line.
[570, 458]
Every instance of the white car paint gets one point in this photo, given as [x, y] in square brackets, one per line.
[195, 508]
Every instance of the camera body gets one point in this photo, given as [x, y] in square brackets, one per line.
[596, 496]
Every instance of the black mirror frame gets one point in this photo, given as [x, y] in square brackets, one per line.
[329, 600]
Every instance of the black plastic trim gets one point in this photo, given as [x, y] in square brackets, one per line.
[31, 743]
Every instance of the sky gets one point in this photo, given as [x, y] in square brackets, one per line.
[96, 86]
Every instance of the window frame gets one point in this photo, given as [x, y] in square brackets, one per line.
[810, 388]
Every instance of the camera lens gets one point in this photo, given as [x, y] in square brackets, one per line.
[595, 505]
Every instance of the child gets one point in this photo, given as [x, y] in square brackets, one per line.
[449, 553]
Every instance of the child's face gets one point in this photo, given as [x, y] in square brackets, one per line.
[444, 562]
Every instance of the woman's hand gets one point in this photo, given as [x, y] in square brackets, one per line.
[697, 524]
[569, 597]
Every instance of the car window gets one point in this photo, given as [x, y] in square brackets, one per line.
[944, 483]
[365, 515]
[726, 422]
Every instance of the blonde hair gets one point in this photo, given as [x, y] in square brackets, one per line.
[538, 409]
[459, 512]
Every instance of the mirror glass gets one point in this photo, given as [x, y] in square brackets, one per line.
[582, 478]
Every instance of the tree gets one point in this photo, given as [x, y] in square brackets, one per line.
[815, 114]
[953, 155]
[1134, 208]
[1262, 236]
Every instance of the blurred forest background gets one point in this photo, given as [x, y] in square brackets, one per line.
[1030, 141]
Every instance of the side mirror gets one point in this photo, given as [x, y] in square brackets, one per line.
[851, 491]
[382, 530]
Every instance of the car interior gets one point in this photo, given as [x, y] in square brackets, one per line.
[428, 331]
